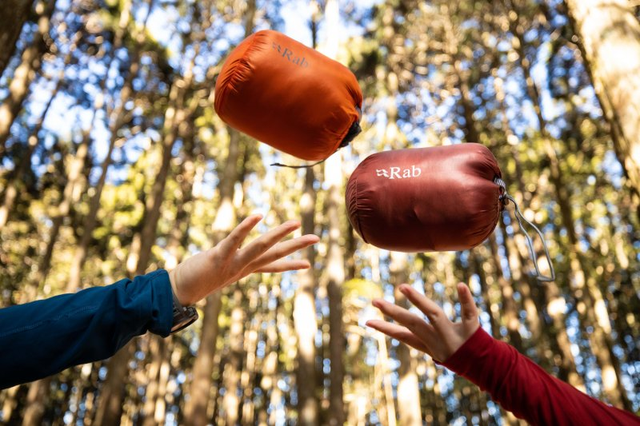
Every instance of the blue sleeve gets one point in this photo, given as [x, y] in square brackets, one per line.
[42, 338]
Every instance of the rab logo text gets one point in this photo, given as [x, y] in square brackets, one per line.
[288, 54]
[398, 173]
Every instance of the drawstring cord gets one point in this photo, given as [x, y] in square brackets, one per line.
[505, 198]
[306, 166]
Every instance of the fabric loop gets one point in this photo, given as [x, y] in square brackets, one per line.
[505, 198]
[306, 166]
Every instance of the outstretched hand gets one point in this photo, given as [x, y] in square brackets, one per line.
[439, 338]
[200, 275]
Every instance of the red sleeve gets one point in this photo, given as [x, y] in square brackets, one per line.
[525, 389]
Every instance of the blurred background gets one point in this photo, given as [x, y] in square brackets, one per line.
[113, 162]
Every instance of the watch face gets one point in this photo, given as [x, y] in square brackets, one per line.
[183, 318]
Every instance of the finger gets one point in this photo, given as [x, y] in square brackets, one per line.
[283, 249]
[260, 245]
[467, 305]
[400, 333]
[410, 320]
[233, 241]
[284, 265]
[436, 315]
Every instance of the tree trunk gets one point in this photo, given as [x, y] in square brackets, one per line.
[116, 121]
[36, 399]
[251, 364]
[33, 140]
[109, 408]
[158, 351]
[15, 14]
[279, 342]
[38, 395]
[24, 164]
[336, 277]
[90, 222]
[26, 72]
[231, 400]
[304, 315]
[195, 412]
[477, 260]
[270, 365]
[382, 380]
[335, 254]
[610, 40]
[10, 403]
[70, 196]
[196, 406]
[304, 304]
[509, 305]
[225, 220]
[530, 291]
[594, 312]
[409, 411]
[461, 83]
[110, 402]
[155, 404]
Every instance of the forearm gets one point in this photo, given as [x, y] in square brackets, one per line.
[44, 337]
[525, 389]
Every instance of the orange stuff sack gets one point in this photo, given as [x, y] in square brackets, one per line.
[289, 96]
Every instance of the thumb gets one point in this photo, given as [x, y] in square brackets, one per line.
[469, 309]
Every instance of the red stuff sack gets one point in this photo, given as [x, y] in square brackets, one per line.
[289, 96]
[426, 199]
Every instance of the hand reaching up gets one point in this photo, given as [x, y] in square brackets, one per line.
[209, 271]
[439, 337]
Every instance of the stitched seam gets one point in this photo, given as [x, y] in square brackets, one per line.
[48, 321]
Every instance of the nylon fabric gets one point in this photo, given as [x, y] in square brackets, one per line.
[288, 96]
[426, 199]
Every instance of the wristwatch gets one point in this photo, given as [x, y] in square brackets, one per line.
[182, 316]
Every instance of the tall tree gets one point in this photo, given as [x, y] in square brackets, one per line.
[33, 140]
[181, 109]
[304, 305]
[304, 314]
[225, 219]
[596, 314]
[12, 20]
[25, 74]
[116, 118]
[71, 194]
[233, 367]
[610, 39]
[409, 410]
[333, 177]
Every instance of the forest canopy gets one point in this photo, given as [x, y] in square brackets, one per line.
[114, 163]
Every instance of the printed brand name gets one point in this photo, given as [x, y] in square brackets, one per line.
[287, 53]
[399, 173]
